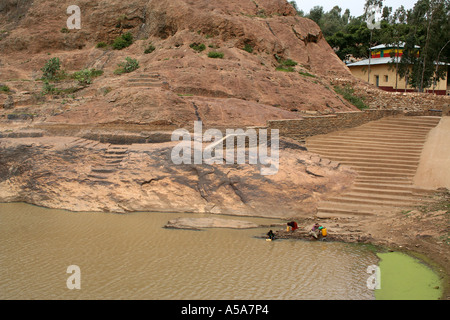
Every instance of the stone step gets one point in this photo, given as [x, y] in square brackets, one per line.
[368, 174]
[400, 181]
[373, 158]
[372, 202]
[415, 120]
[364, 196]
[114, 156]
[146, 84]
[406, 164]
[379, 165]
[365, 142]
[369, 156]
[362, 146]
[402, 129]
[369, 142]
[116, 151]
[375, 137]
[395, 191]
[382, 186]
[340, 208]
[340, 213]
[383, 133]
[103, 170]
[150, 74]
[422, 119]
[383, 129]
[382, 169]
[364, 152]
[95, 176]
[145, 80]
[114, 161]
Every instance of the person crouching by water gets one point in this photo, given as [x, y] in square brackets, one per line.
[323, 233]
[293, 226]
[315, 231]
[271, 235]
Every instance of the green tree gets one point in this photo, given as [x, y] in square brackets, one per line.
[431, 32]
[316, 14]
[51, 69]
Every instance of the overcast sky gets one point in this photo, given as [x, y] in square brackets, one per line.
[356, 6]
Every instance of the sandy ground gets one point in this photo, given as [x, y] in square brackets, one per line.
[433, 171]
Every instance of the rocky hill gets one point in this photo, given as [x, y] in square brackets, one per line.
[274, 65]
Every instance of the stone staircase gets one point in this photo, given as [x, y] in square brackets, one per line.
[385, 154]
[111, 161]
[84, 143]
[147, 80]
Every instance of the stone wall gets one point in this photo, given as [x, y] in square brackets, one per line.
[300, 129]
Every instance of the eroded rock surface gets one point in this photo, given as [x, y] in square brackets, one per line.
[83, 175]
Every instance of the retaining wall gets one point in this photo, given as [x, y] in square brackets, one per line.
[308, 126]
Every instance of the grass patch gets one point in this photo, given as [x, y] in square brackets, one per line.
[199, 47]
[51, 89]
[123, 41]
[5, 89]
[128, 66]
[84, 77]
[215, 55]
[348, 93]
[285, 65]
[150, 49]
[285, 69]
[248, 48]
[307, 74]
[288, 63]
[101, 45]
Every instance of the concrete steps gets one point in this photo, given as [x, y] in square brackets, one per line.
[385, 154]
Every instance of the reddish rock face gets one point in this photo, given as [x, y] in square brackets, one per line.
[242, 88]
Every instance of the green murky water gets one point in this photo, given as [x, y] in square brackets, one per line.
[406, 278]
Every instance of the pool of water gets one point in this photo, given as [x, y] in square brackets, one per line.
[406, 278]
[133, 256]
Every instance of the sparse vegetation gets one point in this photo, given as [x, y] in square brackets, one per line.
[51, 69]
[84, 77]
[287, 63]
[128, 66]
[49, 88]
[285, 69]
[150, 49]
[5, 89]
[307, 74]
[65, 30]
[215, 55]
[199, 47]
[248, 48]
[123, 41]
[101, 45]
[348, 93]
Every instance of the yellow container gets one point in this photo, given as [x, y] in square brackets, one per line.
[289, 228]
[324, 232]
